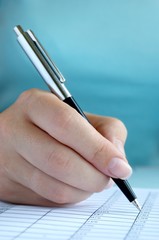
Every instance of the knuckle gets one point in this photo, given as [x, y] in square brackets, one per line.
[117, 128]
[59, 162]
[27, 98]
[98, 151]
[120, 125]
[11, 117]
[65, 118]
[27, 95]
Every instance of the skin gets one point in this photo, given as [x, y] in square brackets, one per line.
[50, 155]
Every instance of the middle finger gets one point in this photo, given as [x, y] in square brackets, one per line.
[58, 160]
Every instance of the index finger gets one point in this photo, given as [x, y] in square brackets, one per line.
[66, 125]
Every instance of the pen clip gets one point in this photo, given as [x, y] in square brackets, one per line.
[46, 56]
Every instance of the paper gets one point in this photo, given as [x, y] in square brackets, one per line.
[106, 215]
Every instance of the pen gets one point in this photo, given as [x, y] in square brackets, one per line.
[55, 81]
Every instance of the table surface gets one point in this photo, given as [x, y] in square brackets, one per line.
[145, 177]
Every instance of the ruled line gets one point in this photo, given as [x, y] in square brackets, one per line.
[105, 215]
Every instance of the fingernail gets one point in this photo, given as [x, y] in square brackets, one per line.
[119, 168]
[119, 146]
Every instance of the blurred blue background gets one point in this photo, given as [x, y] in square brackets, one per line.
[107, 50]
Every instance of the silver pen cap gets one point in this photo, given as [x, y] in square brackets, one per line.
[43, 63]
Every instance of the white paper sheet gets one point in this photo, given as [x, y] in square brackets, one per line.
[106, 215]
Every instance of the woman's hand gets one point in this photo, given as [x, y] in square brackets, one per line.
[51, 155]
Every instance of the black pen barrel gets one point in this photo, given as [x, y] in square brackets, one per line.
[125, 188]
[123, 185]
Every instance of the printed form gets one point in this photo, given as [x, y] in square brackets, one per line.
[105, 215]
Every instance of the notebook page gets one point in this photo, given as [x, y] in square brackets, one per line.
[106, 215]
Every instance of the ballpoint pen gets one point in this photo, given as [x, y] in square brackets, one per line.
[55, 81]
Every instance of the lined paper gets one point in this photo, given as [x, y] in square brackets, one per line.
[105, 215]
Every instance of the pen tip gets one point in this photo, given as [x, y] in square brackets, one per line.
[136, 204]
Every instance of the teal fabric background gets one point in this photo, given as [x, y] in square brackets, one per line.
[107, 50]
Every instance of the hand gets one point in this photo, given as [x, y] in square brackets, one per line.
[51, 155]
